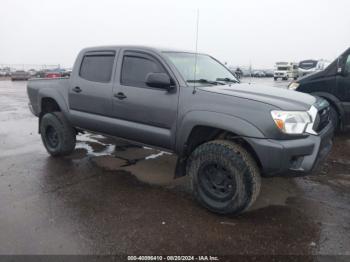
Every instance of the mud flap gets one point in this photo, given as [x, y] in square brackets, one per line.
[180, 169]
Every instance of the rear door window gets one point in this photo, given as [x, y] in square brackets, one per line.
[97, 67]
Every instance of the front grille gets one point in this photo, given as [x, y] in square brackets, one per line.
[322, 119]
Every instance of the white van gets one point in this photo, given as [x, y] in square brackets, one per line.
[286, 70]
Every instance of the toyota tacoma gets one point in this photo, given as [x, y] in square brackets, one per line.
[226, 134]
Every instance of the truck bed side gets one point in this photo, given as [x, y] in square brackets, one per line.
[56, 89]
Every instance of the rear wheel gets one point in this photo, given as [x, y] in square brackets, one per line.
[57, 134]
[225, 178]
[275, 78]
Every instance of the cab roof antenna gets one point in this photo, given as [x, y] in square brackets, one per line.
[250, 72]
[196, 54]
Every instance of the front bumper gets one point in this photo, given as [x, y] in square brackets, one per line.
[280, 74]
[295, 157]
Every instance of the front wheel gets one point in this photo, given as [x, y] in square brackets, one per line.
[225, 178]
[57, 134]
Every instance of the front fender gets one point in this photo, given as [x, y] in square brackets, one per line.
[222, 121]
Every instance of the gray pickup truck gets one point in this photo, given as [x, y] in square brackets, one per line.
[226, 134]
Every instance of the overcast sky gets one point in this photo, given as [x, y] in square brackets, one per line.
[260, 31]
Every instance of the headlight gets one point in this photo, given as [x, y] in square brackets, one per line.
[291, 122]
[293, 85]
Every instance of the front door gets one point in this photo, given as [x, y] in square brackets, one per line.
[149, 114]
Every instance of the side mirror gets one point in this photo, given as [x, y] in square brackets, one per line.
[159, 80]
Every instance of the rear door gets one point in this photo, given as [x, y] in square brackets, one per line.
[149, 114]
[343, 88]
[91, 88]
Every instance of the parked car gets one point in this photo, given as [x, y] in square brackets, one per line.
[20, 75]
[6, 71]
[246, 72]
[268, 73]
[66, 73]
[286, 70]
[40, 74]
[32, 72]
[54, 74]
[226, 134]
[2, 72]
[258, 74]
[333, 84]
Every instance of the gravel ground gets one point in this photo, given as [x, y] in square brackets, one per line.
[111, 197]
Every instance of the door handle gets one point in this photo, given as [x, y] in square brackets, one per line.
[77, 89]
[120, 95]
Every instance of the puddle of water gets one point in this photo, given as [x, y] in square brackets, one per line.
[90, 151]
[108, 163]
[154, 156]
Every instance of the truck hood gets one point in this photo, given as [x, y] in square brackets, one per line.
[281, 98]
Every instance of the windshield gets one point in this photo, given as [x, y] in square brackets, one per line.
[283, 68]
[308, 64]
[208, 70]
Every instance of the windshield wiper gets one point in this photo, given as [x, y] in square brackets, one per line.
[226, 79]
[205, 81]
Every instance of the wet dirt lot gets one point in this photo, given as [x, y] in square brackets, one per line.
[111, 197]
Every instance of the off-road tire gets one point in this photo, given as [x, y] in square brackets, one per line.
[238, 163]
[64, 133]
[275, 78]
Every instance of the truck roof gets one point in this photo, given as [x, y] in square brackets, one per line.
[286, 63]
[141, 47]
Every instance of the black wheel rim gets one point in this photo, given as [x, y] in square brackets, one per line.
[217, 182]
[51, 137]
